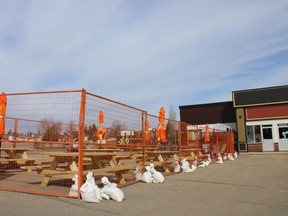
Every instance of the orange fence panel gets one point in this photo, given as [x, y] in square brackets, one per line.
[52, 139]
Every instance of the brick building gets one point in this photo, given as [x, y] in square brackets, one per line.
[260, 117]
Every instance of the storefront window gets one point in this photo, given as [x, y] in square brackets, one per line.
[267, 133]
[250, 134]
[253, 134]
[257, 132]
[283, 132]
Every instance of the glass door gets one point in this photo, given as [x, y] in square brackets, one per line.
[283, 137]
[267, 138]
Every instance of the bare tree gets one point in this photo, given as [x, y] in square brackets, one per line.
[171, 128]
[116, 128]
[50, 129]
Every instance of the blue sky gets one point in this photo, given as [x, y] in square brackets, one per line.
[146, 54]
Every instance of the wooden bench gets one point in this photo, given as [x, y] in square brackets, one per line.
[118, 158]
[21, 162]
[40, 166]
[48, 173]
[164, 164]
[136, 157]
[118, 171]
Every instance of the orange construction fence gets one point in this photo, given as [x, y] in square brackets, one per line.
[52, 139]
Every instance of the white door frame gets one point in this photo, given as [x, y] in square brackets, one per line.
[267, 138]
[283, 138]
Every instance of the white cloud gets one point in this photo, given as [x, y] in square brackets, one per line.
[145, 53]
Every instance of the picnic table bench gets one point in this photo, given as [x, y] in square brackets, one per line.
[48, 173]
[16, 157]
[159, 158]
[70, 159]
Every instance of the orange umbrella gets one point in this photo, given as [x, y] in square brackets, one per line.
[101, 117]
[3, 102]
[207, 133]
[161, 115]
[161, 130]
[101, 131]
[147, 135]
[161, 133]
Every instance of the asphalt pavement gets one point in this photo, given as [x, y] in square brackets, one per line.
[253, 184]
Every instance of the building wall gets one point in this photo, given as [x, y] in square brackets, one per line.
[263, 106]
[212, 113]
[274, 124]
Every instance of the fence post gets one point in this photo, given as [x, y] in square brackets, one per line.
[227, 143]
[15, 134]
[81, 126]
[144, 118]
[217, 143]
[180, 142]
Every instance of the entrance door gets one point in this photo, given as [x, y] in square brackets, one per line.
[267, 141]
[283, 137]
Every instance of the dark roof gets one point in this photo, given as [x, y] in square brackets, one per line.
[260, 96]
[206, 105]
[221, 112]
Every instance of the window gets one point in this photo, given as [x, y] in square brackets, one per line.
[267, 133]
[253, 134]
[283, 132]
[257, 133]
[250, 134]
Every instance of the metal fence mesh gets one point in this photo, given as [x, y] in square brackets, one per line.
[52, 136]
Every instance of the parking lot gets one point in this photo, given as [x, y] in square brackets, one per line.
[253, 184]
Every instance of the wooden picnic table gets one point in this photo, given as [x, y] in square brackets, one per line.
[95, 164]
[16, 153]
[102, 150]
[146, 148]
[161, 155]
[16, 156]
[191, 151]
[160, 158]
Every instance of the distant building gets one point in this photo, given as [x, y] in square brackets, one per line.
[260, 117]
[213, 113]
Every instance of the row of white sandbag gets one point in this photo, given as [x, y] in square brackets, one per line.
[90, 192]
[151, 175]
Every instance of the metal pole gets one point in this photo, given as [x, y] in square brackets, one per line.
[81, 126]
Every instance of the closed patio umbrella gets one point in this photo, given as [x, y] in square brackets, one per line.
[3, 102]
[161, 115]
[207, 133]
[147, 135]
[161, 130]
[101, 131]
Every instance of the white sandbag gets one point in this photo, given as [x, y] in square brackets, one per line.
[74, 188]
[177, 167]
[194, 163]
[230, 157]
[193, 167]
[138, 174]
[112, 190]
[206, 163]
[147, 175]
[201, 165]
[219, 160]
[209, 158]
[157, 177]
[98, 193]
[88, 189]
[104, 195]
[185, 166]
